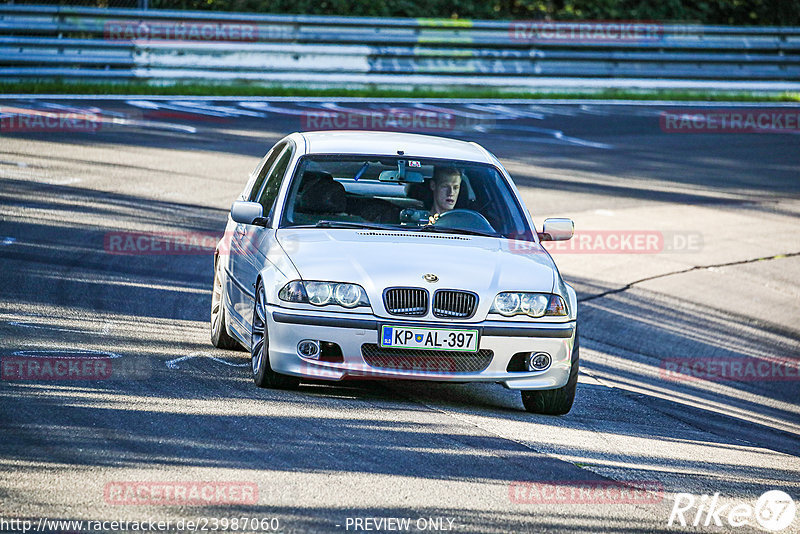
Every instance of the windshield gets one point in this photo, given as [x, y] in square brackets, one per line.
[403, 193]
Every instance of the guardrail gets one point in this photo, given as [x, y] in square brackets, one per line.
[167, 46]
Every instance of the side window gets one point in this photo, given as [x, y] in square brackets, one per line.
[274, 179]
[268, 161]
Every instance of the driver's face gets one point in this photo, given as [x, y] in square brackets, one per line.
[445, 192]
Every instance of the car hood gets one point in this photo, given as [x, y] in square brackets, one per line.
[380, 259]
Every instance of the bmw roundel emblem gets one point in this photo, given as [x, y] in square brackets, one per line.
[432, 278]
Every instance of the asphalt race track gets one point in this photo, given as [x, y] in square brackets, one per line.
[719, 284]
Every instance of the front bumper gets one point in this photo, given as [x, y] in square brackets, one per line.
[504, 338]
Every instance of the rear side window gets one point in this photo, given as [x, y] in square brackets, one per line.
[267, 163]
[274, 179]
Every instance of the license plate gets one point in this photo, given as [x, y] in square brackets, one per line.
[406, 337]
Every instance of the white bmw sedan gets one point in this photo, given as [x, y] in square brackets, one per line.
[394, 256]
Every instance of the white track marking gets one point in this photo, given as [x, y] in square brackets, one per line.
[193, 107]
[21, 164]
[44, 327]
[555, 134]
[604, 213]
[65, 181]
[103, 332]
[228, 111]
[67, 353]
[269, 108]
[505, 111]
[146, 104]
[173, 364]
[456, 112]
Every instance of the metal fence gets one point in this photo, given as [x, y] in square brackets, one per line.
[128, 4]
[167, 46]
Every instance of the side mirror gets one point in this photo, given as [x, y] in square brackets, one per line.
[247, 212]
[557, 230]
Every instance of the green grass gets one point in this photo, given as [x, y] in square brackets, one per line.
[196, 89]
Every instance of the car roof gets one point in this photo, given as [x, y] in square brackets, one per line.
[388, 144]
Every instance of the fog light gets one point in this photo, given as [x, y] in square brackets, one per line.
[308, 349]
[538, 361]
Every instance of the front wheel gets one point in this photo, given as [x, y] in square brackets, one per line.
[219, 331]
[263, 375]
[555, 401]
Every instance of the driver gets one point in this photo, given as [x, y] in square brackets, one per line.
[446, 184]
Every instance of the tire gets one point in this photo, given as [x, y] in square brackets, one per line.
[263, 375]
[219, 329]
[555, 401]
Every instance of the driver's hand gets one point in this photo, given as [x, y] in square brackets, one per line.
[433, 218]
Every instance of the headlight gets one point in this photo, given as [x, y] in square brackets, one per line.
[506, 304]
[319, 293]
[324, 293]
[512, 303]
[348, 295]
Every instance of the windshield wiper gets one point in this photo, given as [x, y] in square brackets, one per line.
[376, 226]
[444, 230]
[353, 224]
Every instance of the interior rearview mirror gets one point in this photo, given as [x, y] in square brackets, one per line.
[557, 230]
[402, 174]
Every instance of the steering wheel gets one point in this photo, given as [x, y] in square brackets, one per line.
[466, 220]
